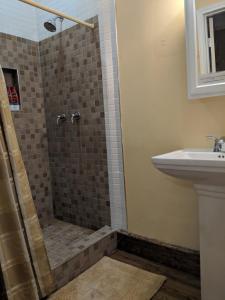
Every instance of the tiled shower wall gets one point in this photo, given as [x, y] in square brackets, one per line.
[105, 9]
[30, 121]
[72, 81]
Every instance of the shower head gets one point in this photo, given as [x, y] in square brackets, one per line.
[50, 25]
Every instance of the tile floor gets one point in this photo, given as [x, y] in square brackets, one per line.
[61, 240]
[110, 279]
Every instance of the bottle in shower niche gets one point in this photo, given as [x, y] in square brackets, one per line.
[14, 99]
[12, 83]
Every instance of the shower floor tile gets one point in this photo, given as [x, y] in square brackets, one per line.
[61, 240]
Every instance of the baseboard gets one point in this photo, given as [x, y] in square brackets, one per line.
[179, 258]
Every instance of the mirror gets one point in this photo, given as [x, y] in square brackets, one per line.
[205, 39]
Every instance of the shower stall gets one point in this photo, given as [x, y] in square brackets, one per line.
[74, 110]
[61, 130]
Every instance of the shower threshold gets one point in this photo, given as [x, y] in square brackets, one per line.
[72, 249]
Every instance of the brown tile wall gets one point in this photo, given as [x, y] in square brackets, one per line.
[72, 79]
[30, 122]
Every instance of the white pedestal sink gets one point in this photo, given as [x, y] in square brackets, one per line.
[207, 172]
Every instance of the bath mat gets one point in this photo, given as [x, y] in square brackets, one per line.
[110, 279]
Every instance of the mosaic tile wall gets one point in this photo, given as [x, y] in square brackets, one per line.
[30, 122]
[72, 81]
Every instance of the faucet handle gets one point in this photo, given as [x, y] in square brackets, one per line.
[61, 117]
[219, 143]
[212, 137]
[216, 139]
[75, 116]
[222, 139]
[216, 146]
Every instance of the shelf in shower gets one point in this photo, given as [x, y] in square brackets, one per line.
[12, 84]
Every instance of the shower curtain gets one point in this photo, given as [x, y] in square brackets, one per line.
[23, 258]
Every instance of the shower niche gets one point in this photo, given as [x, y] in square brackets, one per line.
[12, 84]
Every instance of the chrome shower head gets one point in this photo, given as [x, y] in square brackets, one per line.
[50, 25]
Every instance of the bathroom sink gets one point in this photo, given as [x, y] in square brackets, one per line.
[200, 166]
[206, 169]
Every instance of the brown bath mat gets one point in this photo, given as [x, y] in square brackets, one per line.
[110, 279]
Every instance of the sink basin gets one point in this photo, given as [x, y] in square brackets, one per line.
[206, 170]
[198, 155]
[200, 166]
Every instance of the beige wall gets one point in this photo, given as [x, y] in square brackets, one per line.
[157, 117]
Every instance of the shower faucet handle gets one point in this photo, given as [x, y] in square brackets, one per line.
[61, 118]
[75, 117]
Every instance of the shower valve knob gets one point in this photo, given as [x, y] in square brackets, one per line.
[61, 118]
[75, 117]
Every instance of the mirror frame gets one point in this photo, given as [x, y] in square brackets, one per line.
[196, 89]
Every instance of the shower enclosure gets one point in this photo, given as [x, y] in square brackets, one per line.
[60, 127]
[74, 110]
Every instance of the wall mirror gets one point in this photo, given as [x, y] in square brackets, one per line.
[205, 39]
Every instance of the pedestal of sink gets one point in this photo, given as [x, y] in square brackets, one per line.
[207, 172]
[212, 240]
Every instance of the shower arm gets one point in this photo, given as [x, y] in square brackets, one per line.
[57, 13]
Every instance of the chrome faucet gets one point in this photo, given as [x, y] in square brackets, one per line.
[75, 117]
[219, 143]
[61, 118]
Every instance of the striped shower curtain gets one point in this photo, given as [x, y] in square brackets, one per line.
[23, 258]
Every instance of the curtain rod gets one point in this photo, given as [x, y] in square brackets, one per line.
[57, 13]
